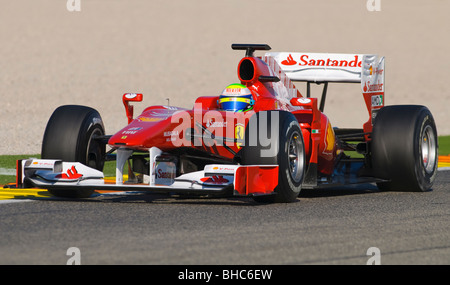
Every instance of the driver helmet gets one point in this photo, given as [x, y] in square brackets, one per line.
[237, 98]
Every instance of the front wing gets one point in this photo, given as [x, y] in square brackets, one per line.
[215, 179]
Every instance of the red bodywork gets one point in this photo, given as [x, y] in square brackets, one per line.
[168, 128]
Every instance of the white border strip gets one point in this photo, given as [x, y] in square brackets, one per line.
[10, 201]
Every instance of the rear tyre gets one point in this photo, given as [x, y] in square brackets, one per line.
[405, 148]
[286, 148]
[70, 136]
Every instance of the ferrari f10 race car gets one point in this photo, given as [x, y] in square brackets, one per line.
[260, 137]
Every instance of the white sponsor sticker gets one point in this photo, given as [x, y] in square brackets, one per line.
[165, 173]
[377, 100]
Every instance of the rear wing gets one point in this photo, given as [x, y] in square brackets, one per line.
[367, 69]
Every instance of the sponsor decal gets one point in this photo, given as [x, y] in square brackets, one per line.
[216, 179]
[131, 131]
[145, 119]
[377, 100]
[223, 168]
[305, 60]
[239, 132]
[329, 140]
[97, 120]
[42, 163]
[289, 61]
[171, 133]
[165, 173]
[233, 90]
[72, 173]
[378, 71]
[215, 124]
[372, 87]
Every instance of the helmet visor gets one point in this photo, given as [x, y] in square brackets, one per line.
[235, 104]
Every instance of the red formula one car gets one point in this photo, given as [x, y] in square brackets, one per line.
[260, 138]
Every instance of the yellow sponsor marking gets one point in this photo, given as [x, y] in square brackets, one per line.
[444, 161]
[26, 193]
[30, 193]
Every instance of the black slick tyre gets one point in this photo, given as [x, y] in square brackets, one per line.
[70, 136]
[275, 138]
[405, 148]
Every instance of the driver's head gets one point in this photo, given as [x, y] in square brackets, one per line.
[237, 98]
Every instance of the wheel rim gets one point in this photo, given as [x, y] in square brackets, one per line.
[93, 153]
[295, 156]
[428, 148]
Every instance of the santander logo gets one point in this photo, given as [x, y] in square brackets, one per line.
[372, 87]
[214, 179]
[289, 61]
[164, 174]
[305, 60]
[72, 173]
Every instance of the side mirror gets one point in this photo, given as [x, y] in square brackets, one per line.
[126, 99]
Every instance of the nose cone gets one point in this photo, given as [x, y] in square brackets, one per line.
[147, 130]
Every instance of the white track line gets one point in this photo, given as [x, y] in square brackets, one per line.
[7, 171]
[15, 201]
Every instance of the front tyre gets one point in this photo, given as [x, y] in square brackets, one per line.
[70, 135]
[284, 148]
[405, 148]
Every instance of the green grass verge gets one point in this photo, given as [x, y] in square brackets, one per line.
[444, 145]
[8, 162]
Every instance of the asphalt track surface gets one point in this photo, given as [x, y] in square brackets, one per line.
[332, 226]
